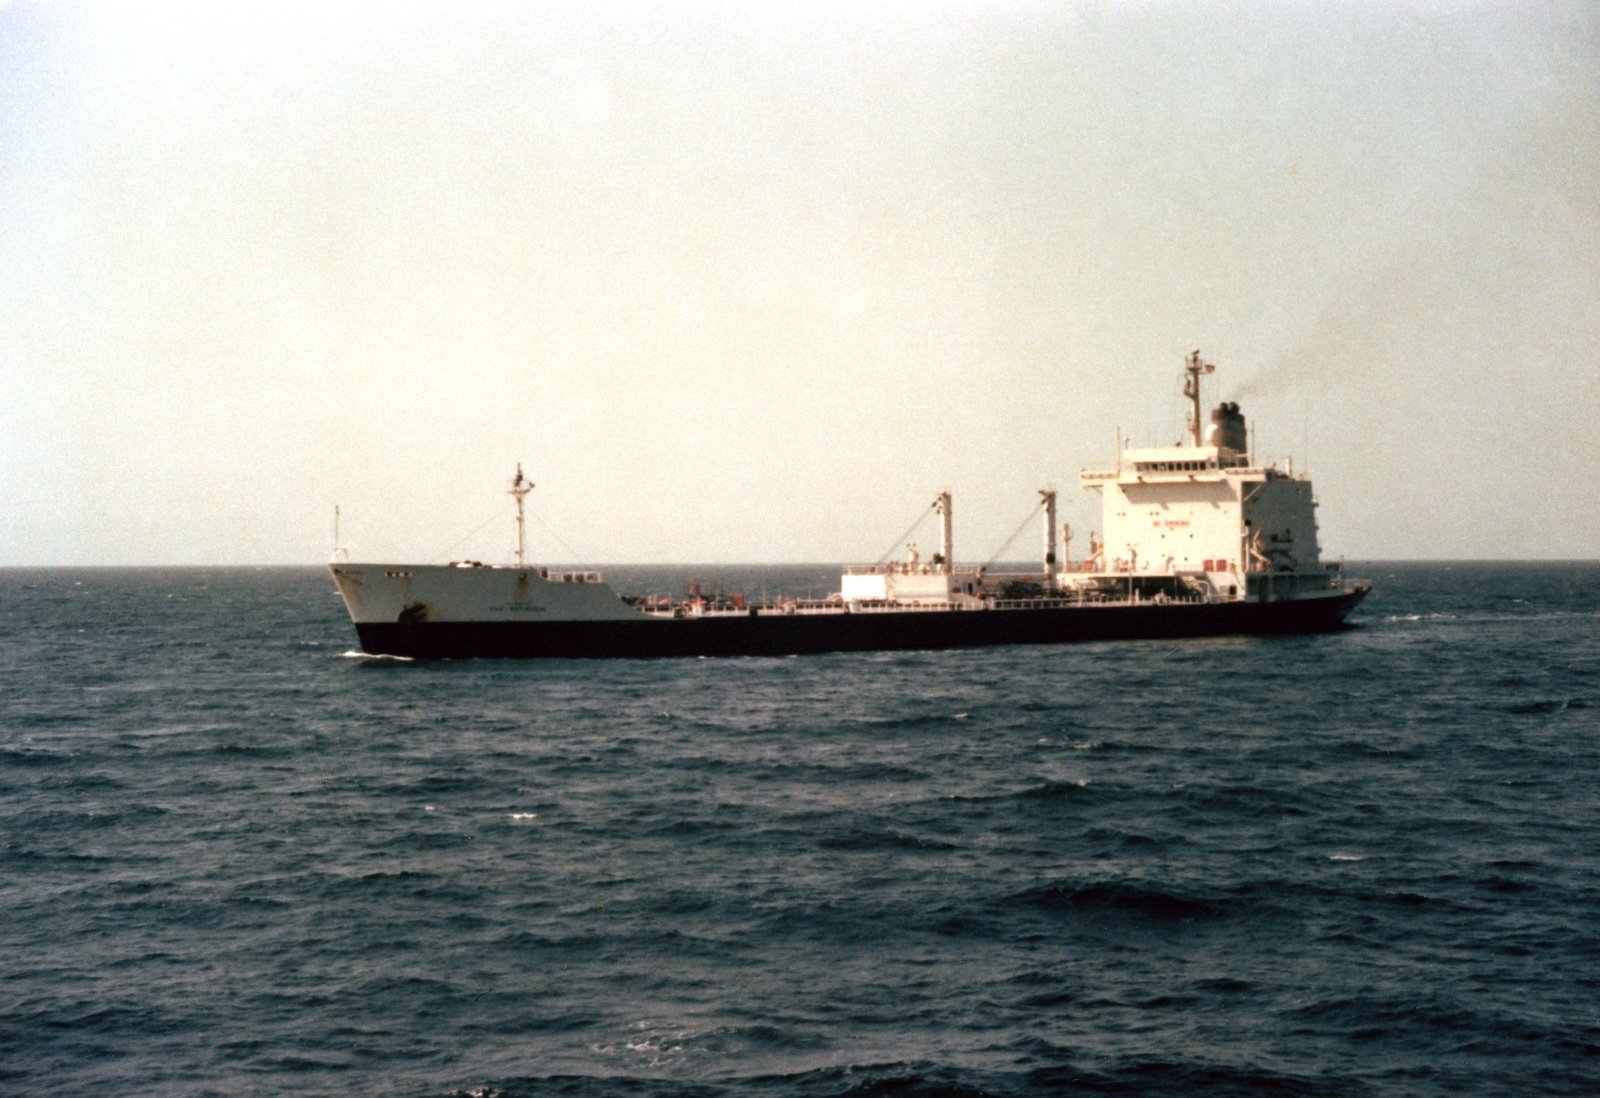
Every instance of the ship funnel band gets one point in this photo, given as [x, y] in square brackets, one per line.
[1227, 430]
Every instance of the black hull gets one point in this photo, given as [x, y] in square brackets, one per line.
[783, 635]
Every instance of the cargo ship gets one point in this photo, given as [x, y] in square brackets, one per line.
[1198, 540]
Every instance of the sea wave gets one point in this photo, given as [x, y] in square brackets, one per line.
[1359, 863]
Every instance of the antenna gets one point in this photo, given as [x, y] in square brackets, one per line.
[1193, 367]
[520, 486]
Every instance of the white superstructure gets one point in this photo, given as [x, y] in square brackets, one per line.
[917, 582]
[1206, 515]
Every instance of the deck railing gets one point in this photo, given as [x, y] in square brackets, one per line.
[803, 607]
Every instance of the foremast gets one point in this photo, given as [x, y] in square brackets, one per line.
[520, 487]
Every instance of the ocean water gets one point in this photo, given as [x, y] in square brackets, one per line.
[238, 858]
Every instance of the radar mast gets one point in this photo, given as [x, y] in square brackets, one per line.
[1192, 369]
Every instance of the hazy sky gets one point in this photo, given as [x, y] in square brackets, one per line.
[746, 284]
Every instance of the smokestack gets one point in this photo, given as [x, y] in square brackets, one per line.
[1227, 430]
